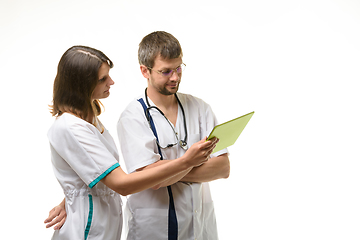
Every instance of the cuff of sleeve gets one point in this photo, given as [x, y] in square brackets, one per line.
[218, 153]
[104, 174]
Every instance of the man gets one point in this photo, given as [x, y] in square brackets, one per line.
[158, 127]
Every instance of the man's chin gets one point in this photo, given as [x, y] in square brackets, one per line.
[170, 91]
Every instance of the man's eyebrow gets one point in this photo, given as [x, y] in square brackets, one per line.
[165, 68]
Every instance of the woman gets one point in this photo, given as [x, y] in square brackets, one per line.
[84, 156]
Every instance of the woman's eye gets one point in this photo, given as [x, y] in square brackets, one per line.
[102, 79]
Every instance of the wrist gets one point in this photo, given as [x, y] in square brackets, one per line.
[186, 163]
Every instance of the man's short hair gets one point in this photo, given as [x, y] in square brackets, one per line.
[158, 43]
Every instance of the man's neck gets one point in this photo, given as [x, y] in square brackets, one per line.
[164, 102]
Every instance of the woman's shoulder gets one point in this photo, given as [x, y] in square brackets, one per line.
[67, 123]
[68, 120]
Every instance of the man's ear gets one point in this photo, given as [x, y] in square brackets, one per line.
[145, 71]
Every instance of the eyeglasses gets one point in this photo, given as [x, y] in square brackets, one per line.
[169, 72]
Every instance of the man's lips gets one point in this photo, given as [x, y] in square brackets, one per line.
[173, 84]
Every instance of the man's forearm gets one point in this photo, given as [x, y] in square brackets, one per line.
[215, 168]
[169, 181]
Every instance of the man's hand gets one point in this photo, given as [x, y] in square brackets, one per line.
[199, 152]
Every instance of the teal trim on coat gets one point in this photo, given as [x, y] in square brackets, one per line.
[93, 183]
[91, 210]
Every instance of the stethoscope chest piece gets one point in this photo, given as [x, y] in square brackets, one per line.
[183, 145]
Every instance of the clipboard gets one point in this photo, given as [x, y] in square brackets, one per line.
[228, 132]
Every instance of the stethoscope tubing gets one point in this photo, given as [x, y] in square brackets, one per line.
[183, 143]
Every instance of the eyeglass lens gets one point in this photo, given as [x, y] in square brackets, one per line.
[170, 72]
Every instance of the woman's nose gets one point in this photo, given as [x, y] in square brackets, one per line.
[111, 82]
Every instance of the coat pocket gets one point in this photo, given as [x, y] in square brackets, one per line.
[150, 223]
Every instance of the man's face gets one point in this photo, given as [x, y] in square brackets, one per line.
[166, 85]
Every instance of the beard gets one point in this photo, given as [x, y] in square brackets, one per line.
[168, 91]
[167, 88]
[165, 91]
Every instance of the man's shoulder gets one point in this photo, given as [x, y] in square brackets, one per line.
[134, 107]
[188, 97]
[191, 100]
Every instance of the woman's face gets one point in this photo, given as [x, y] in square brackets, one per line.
[102, 88]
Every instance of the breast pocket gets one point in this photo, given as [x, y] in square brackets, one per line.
[150, 223]
[193, 138]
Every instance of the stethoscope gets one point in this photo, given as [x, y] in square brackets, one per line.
[182, 143]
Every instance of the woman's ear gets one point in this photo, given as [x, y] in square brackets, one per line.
[145, 71]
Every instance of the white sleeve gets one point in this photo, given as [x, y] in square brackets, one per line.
[79, 145]
[137, 141]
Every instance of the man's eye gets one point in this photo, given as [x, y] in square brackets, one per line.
[166, 72]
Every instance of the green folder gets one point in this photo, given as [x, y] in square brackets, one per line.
[228, 132]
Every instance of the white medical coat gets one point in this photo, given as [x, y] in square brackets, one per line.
[147, 212]
[81, 157]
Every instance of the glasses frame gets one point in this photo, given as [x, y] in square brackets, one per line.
[182, 65]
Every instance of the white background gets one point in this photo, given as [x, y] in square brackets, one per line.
[295, 168]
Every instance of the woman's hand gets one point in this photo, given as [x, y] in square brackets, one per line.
[200, 152]
[57, 216]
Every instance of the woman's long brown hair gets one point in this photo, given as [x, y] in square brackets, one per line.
[75, 81]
